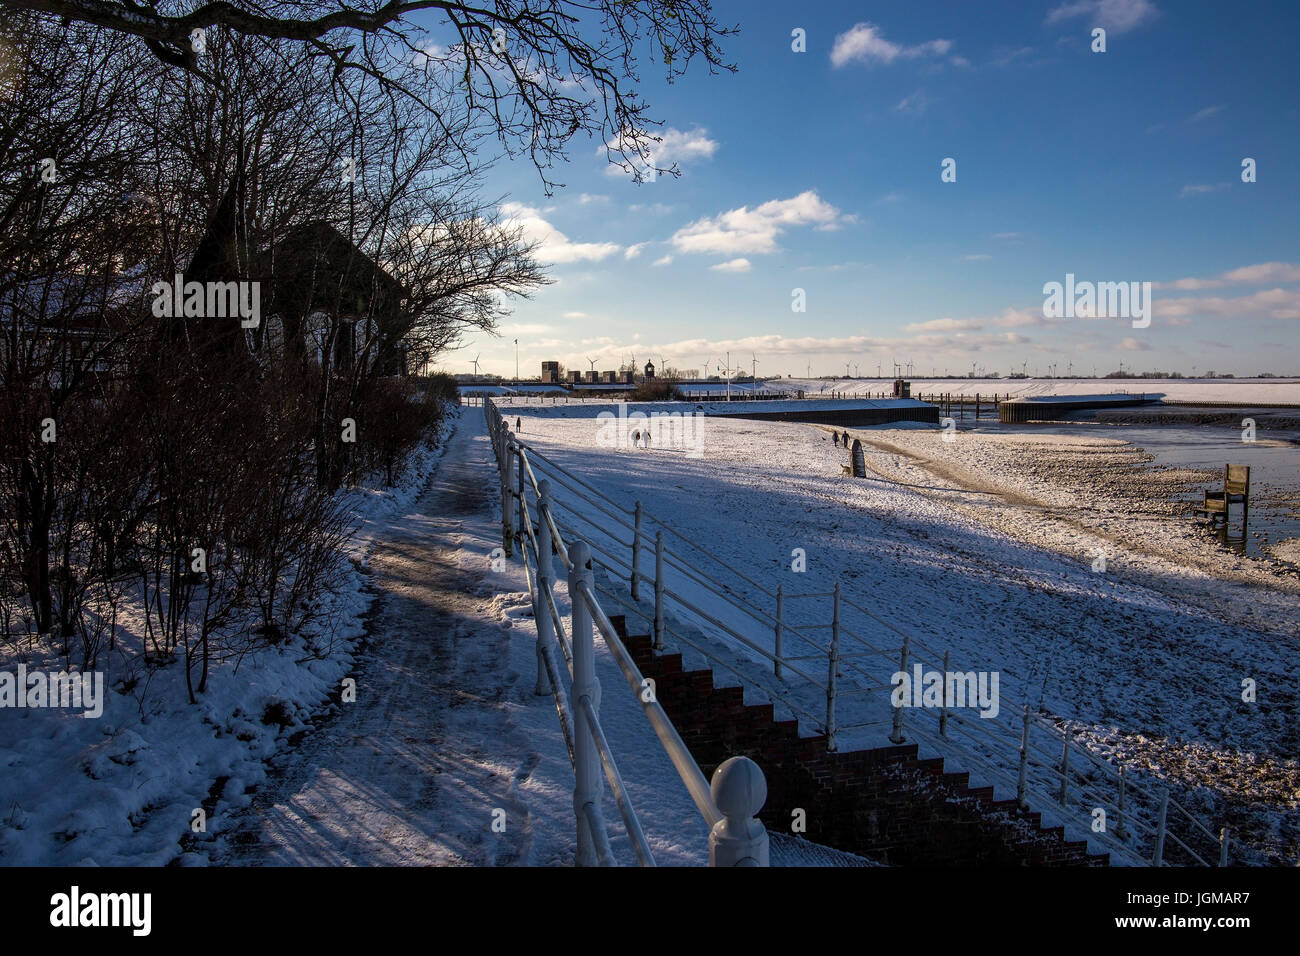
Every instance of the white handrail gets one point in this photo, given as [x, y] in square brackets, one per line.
[735, 839]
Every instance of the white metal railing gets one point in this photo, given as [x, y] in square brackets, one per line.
[837, 664]
[738, 790]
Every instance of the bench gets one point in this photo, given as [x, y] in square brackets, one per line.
[1236, 491]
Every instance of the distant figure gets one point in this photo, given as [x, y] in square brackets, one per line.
[519, 424]
[636, 439]
[836, 436]
[645, 439]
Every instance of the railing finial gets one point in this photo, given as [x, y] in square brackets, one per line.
[739, 839]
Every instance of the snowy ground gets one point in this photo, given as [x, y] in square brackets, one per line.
[122, 789]
[986, 547]
[447, 728]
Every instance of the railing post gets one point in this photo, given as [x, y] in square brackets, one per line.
[1022, 784]
[739, 790]
[943, 707]
[780, 625]
[1119, 813]
[521, 530]
[832, 675]
[545, 571]
[507, 518]
[896, 736]
[1065, 767]
[1158, 857]
[586, 758]
[1224, 833]
[636, 555]
[659, 591]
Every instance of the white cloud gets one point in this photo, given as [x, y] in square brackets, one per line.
[663, 261]
[913, 103]
[1268, 303]
[553, 245]
[1008, 58]
[1131, 344]
[864, 43]
[1202, 188]
[575, 315]
[1257, 274]
[674, 146]
[755, 231]
[945, 325]
[1117, 16]
[1204, 114]
[1019, 318]
[634, 250]
[586, 199]
[733, 265]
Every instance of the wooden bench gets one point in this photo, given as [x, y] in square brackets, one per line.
[1236, 491]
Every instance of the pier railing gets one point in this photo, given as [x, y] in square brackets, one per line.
[834, 664]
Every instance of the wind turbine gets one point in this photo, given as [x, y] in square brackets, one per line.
[753, 367]
[592, 362]
[476, 357]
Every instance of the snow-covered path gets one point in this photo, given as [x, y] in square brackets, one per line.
[412, 772]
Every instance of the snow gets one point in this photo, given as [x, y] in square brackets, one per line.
[122, 789]
[985, 546]
[456, 730]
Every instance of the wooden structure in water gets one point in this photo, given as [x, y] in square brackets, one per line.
[1217, 505]
[1049, 408]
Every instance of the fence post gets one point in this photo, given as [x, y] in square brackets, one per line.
[1224, 833]
[507, 533]
[739, 790]
[636, 555]
[586, 758]
[896, 735]
[1158, 858]
[943, 707]
[780, 622]
[1119, 814]
[1022, 787]
[522, 530]
[1065, 766]
[659, 590]
[833, 671]
[545, 571]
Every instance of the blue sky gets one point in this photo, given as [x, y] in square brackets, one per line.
[820, 171]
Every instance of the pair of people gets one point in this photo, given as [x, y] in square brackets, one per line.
[837, 438]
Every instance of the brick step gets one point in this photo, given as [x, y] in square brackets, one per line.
[884, 802]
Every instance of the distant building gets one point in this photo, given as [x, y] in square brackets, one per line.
[628, 376]
[609, 377]
[550, 373]
[575, 376]
[649, 370]
[591, 375]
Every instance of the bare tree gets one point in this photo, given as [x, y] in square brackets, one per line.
[532, 73]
